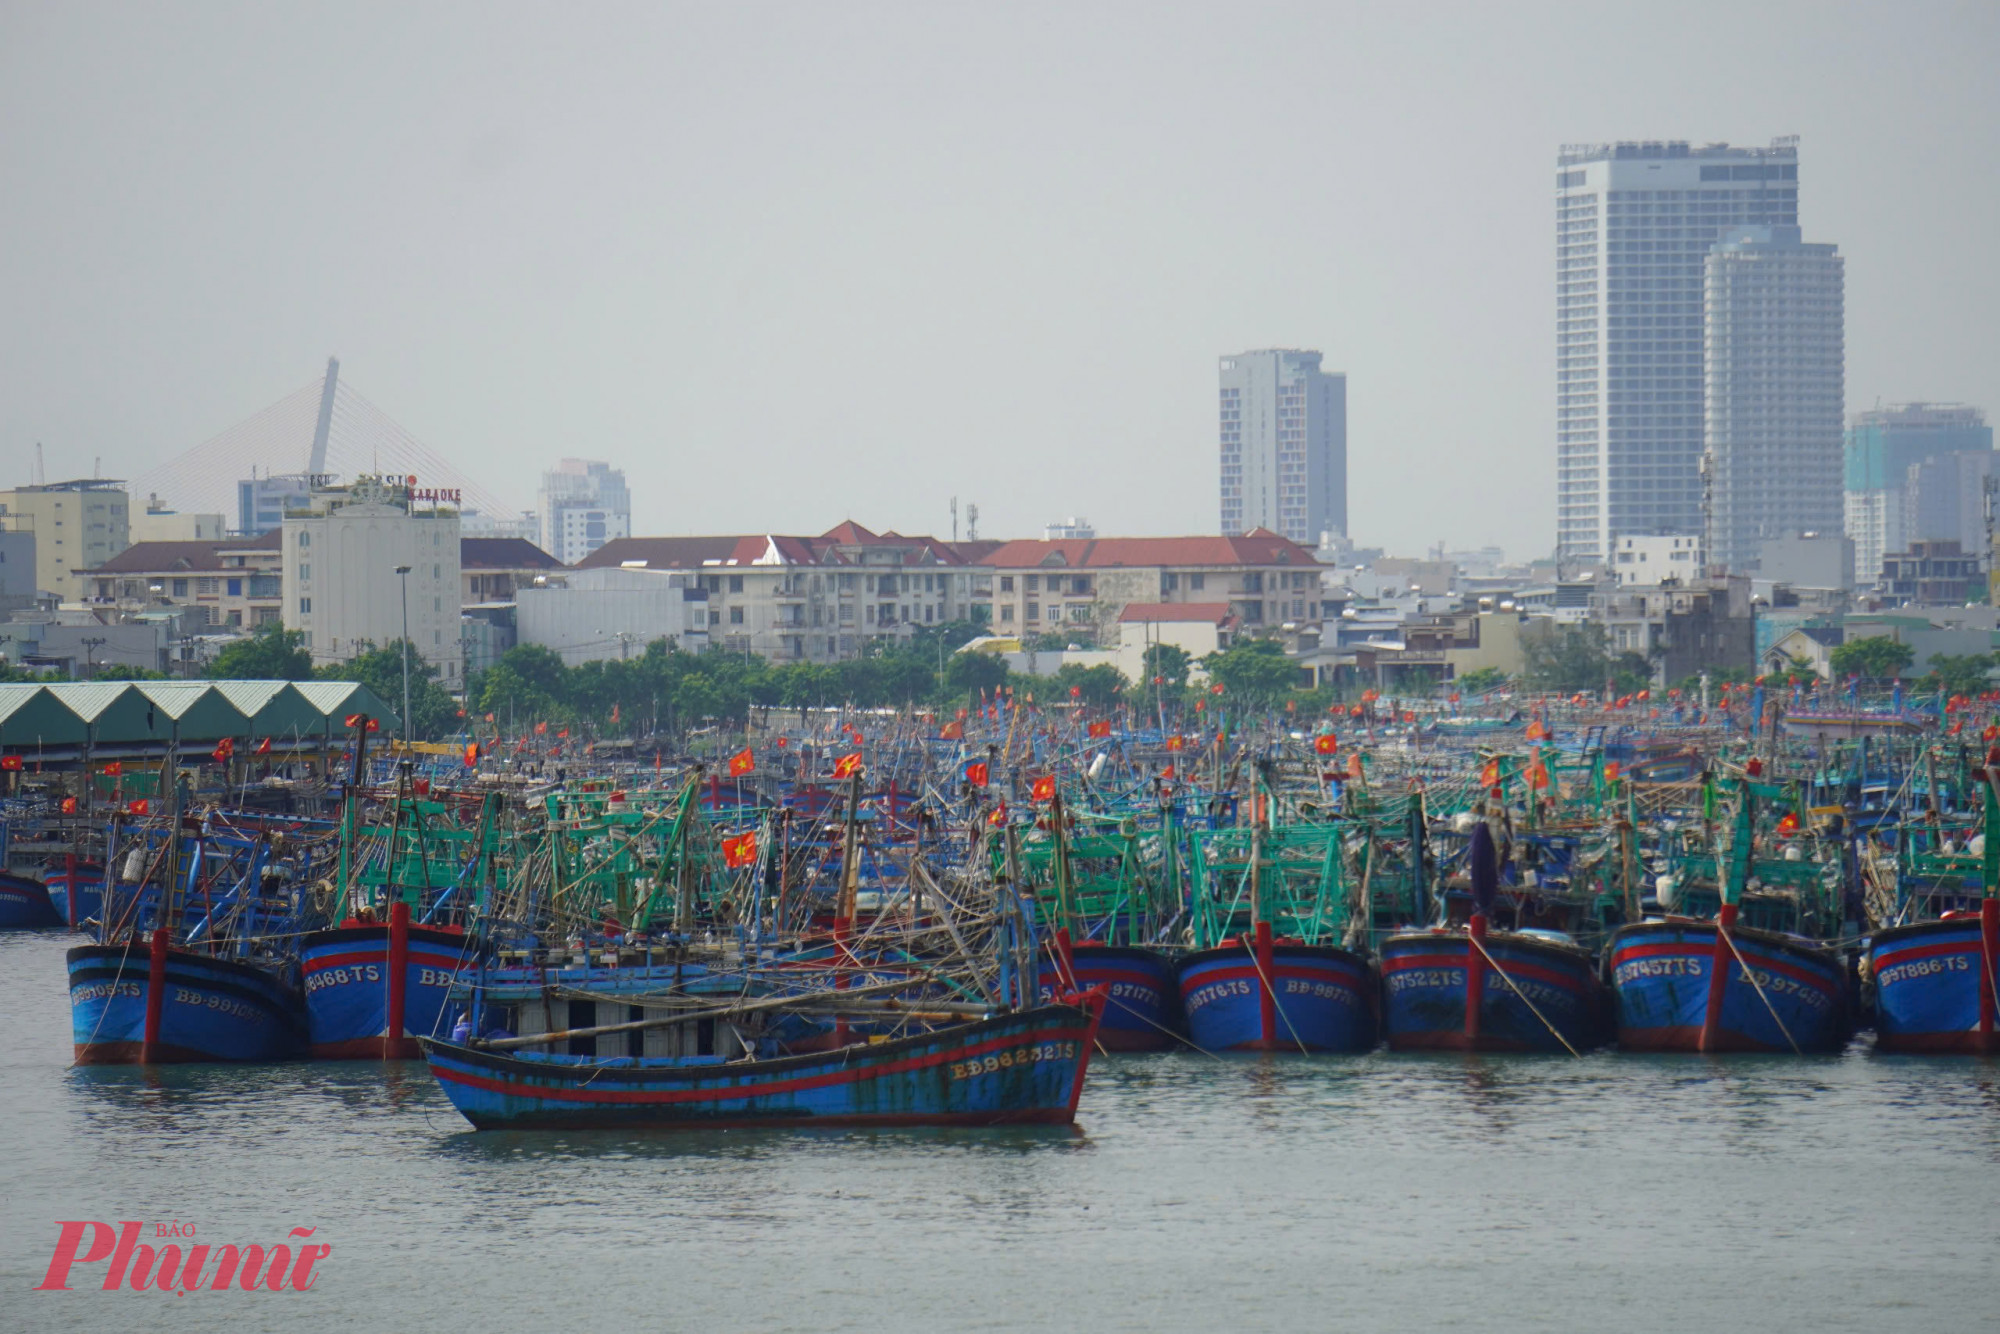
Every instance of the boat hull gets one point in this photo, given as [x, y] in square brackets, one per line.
[76, 896]
[1536, 996]
[347, 991]
[1928, 979]
[24, 903]
[1142, 1009]
[1019, 1068]
[1323, 998]
[211, 1009]
[1661, 978]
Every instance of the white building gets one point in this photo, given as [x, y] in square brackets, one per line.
[1649, 561]
[584, 504]
[589, 615]
[1883, 445]
[1634, 224]
[341, 586]
[1772, 370]
[1283, 428]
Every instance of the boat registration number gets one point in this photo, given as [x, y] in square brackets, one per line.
[1007, 1060]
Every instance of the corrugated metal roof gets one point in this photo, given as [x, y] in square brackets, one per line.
[111, 713]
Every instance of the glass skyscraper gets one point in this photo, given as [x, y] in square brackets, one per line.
[1634, 226]
[1283, 436]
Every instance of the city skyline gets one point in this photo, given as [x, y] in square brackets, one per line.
[514, 265]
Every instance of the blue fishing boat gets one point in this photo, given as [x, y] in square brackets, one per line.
[1142, 1012]
[24, 902]
[156, 1004]
[356, 1006]
[1720, 985]
[1023, 1067]
[1934, 985]
[1268, 994]
[1481, 990]
[76, 893]
[1537, 992]
[1934, 980]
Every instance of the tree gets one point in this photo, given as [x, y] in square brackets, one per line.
[433, 712]
[272, 653]
[1480, 681]
[1568, 657]
[1098, 687]
[1166, 660]
[1876, 658]
[1962, 675]
[1254, 672]
[966, 674]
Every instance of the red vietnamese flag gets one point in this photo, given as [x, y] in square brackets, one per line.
[1174, 742]
[1326, 744]
[975, 774]
[471, 755]
[114, 769]
[1076, 692]
[1490, 775]
[264, 746]
[781, 743]
[354, 720]
[1354, 764]
[1045, 789]
[1167, 773]
[69, 805]
[847, 766]
[1215, 689]
[137, 806]
[742, 762]
[10, 763]
[563, 735]
[614, 711]
[1100, 728]
[741, 850]
[541, 729]
[952, 732]
[223, 750]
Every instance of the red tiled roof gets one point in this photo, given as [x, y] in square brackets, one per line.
[503, 553]
[687, 553]
[172, 557]
[1259, 547]
[1209, 613]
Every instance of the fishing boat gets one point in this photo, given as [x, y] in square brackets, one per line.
[1934, 978]
[1483, 990]
[24, 902]
[158, 1004]
[76, 892]
[1023, 1067]
[1719, 984]
[1270, 972]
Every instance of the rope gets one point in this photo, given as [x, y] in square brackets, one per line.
[1751, 974]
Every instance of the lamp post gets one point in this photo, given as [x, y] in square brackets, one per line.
[403, 571]
[90, 646]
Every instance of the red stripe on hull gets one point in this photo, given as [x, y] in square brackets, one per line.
[129, 1053]
[1048, 1116]
[648, 1097]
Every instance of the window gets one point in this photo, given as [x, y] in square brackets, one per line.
[847, 611]
[1006, 583]
[305, 538]
[206, 586]
[1034, 582]
[305, 573]
[1169, 581]
[437, 571]
[1007, 612]
[736, 615]
[868, 584]
[1196, 581]
[928, 609]
[871, 611]
[180, 588]
[235, 588]
[1079, 585]
[736, 583]
[715, 616]
[1034, 611]
[305, 606]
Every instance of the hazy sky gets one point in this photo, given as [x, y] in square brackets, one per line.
[790, 264]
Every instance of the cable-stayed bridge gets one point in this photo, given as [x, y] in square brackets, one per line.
[325, 426]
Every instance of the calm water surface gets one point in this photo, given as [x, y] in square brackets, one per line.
[1374, 1192]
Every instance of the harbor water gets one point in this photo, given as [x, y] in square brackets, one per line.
[1380, 1192]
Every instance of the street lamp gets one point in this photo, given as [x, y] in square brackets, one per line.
[404, 572]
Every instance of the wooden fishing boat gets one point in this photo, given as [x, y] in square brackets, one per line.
[1023, 1067]
[1530, 991]
[155, 1004]
[24, 902]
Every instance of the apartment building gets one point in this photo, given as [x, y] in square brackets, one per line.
[812, 599]
[1081, 588]
[225, 584]
[77, 525]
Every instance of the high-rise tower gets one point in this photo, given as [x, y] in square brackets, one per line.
[1283, 427]
[1634, 225]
